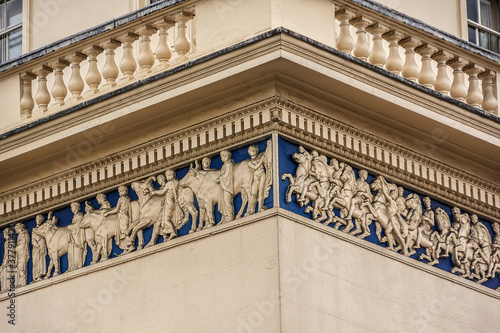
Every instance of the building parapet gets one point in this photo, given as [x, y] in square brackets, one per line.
[102, 59]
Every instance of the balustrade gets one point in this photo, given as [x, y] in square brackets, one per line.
[128, 65]
[105, 73]
[377, 56]
[27, 102]
[76, 84]
[472, 83]
[379, 41]
[443, 82]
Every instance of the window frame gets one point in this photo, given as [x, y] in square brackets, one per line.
[5, 33]
[478, 27]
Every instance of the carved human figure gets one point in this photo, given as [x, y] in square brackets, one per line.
[77, 240]
[39, 251]
[427, 222]
[103, 201]
[123, 211]
[335, 187]
[22, 254]
[226, 181]
[8, 263]
[413, 212]
[205, 164]
[363, 195]
[306, 161]
[458, 238]
[256, 165]
[393, 216]
[443, 225]
[335, 170]
[321, 182]
[478, 252]
[495, 256]
[169, 189]
[402, 210]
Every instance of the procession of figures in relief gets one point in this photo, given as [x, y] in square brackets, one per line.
[408, 222]
[165, 207]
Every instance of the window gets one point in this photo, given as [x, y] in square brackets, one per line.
[483, 18]
[11, 14]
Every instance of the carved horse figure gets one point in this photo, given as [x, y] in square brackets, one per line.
[414, 220]
[57, 239]
[301, 181]
[343, 200]
[384, 213]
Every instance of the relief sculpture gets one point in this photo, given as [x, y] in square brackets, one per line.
[164, 202]
[403, 223]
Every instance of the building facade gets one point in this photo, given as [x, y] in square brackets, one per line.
[249, 166]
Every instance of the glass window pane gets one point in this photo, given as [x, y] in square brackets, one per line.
[15, 43]
[472, 35]
[495, 44]
[485, 13]
[14, 12]
[3, 48]
[472, 10]
[2, 14]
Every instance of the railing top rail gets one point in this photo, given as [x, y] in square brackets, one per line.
[416, 24]
[370, 5]
[91, 32]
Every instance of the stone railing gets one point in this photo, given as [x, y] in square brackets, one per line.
[106, 61]
[432, 58]
[79, 70]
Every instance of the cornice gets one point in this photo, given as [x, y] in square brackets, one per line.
[246, 124]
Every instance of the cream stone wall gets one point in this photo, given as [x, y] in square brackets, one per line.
[332, 285]
[447, 15]
[9, 108]
[204, 285]
[227, 22]
[51, 20]
[278, 274]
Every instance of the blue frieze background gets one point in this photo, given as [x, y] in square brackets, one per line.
[65, 215]
[288, 165]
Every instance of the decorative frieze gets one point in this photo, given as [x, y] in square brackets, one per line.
[158, 206]
[334, 193]
[356, 146]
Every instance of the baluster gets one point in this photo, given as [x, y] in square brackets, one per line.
[410, 68]
[361, 47]
[474, 95]
[182, 43]
[443, 82]
[76, 84]
[42, 97]
[394, 62]
[345, 42]
[59, 90]
[146, 57]
[27, 103]
[110, 70]
[458, 89]
[128, 65]
[490, 102]
[93, 77]
[427, 77]
[377, 56]
[163, 51]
